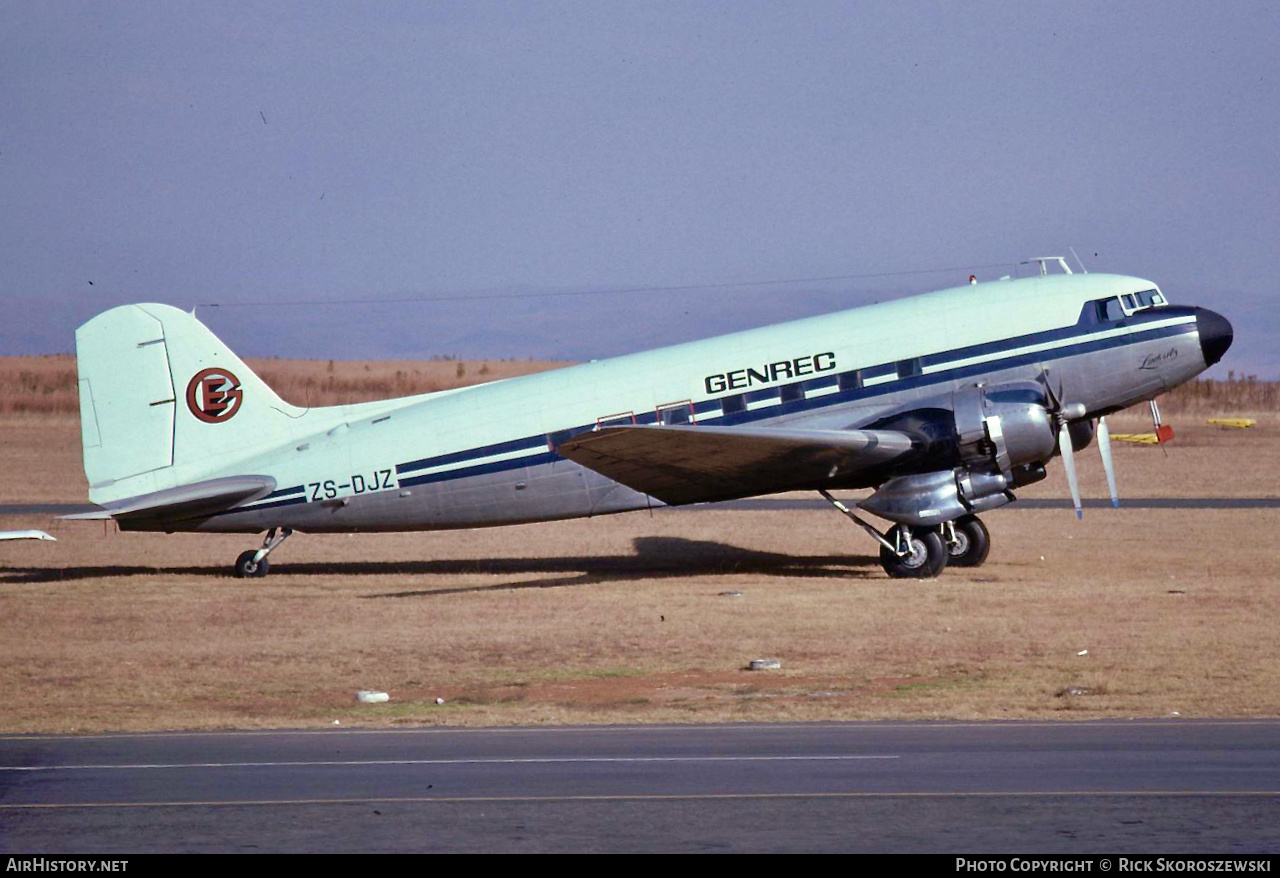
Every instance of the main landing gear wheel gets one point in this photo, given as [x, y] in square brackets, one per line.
[925, 559]
[971, 545]
[253, 564]
[247, 568]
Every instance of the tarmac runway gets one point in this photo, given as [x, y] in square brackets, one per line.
[1141, 786]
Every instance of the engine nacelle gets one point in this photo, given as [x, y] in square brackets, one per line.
[1004, 427]
[929, 499]
[1081, 433]
[990, 440]
[921, 500]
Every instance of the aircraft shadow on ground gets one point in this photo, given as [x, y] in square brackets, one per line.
[655, 557]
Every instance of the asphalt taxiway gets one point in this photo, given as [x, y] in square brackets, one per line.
[1151, 786]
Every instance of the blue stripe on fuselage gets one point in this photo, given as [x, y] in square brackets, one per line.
[481, 469]
[530, 443]
[1088, 344]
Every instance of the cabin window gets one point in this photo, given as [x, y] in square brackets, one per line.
[617, 419]
[792, 392]
[733, 405]
[676, 413]
[907, 368]
[849, 380]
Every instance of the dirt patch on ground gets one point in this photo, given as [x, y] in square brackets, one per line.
[672, 689]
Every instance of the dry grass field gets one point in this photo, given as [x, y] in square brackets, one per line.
[1134, 612]
[47, 385]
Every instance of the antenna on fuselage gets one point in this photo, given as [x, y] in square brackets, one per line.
[1079, 261]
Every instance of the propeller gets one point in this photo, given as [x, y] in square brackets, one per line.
[1104, 448]
[1064, 446]
[1067, 449]
[1065, 413]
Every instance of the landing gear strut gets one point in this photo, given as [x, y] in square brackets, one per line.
[905, 553]
[253, 563]
[924, 552]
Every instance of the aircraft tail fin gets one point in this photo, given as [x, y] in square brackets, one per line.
[164, 402]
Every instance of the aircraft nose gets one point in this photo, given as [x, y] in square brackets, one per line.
[1215, 335]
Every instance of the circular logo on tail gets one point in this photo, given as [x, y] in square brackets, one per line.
[214, 395]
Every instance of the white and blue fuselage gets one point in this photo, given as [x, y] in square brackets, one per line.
[488, 455]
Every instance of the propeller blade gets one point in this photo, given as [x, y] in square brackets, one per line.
[1054, 399]
[1104, 447]
[1069, 464]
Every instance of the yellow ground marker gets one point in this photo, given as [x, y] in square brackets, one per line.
[1136, 438]
[1234, 423]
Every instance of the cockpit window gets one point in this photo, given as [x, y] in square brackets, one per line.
[1119, 307]
[1109, 309]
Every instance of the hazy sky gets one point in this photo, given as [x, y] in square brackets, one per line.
[277, 153]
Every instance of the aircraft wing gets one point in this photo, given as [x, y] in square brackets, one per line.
[196, 500]
[681, 464]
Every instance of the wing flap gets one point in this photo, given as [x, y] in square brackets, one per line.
[681, 464]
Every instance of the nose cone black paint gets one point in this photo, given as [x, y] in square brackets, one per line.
[1215, 335]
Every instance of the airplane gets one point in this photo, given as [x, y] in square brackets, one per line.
[943, 403]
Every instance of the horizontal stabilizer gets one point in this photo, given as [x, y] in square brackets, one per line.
[680, 464]
[197, 500]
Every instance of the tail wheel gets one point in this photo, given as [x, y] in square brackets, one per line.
[972, 543]
[247, 568]
[926, 556]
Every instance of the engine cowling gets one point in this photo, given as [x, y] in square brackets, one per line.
[1004, 427]
[998, 440]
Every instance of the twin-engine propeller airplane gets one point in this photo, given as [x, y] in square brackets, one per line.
[944, 403]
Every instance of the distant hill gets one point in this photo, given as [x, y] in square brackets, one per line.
[48, 385]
